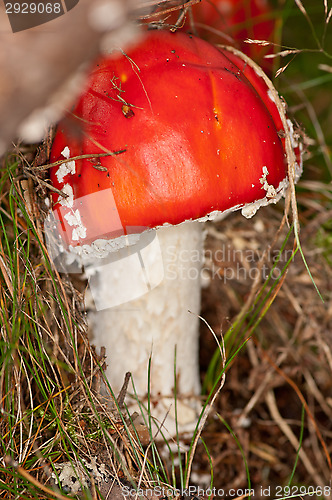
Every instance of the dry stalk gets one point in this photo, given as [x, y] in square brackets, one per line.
[285, 428]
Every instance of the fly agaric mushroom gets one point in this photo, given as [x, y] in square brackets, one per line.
[196, 139]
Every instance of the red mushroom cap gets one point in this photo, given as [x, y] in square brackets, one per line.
[268, 94]
[198, 138]
[239, 19]
[231, 22]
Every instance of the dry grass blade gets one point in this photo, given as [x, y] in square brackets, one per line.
[317, 394]
[49, 373]
[209, 406]
[149, 10]
[271, 402]
[326, 349]
[263, 43]
[301, 7]
[292, 384]
[281, 70]
[20, 470]
[74, 158]
[284, 426]
[320, 133]
[6, 274]
[328, 19]
[325, 67]
[283, 53]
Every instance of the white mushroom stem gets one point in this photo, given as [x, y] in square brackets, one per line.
[165, 318]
